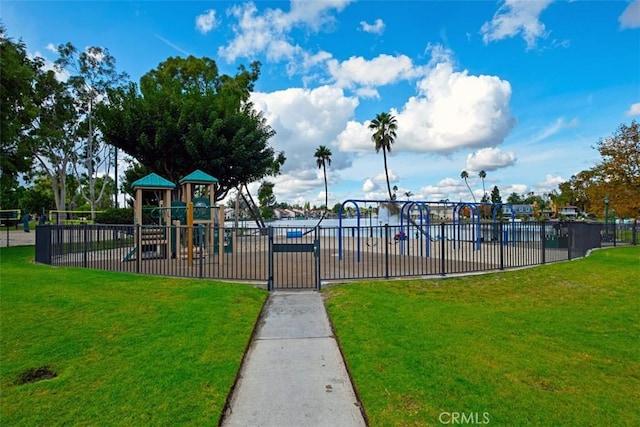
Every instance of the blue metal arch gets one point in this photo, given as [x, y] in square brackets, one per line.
[475, 220]
[409, 205]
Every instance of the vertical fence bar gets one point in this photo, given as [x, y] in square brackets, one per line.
[201, 256]
[138, 247]
[543, 241]
[569, 240]
[316, 257]
[386, 251]
[85, 245]
[442, 248]
[501, 244]
[270, 273]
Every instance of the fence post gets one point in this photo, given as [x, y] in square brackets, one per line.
[634, 229]
[543, 239]
[85, 247]
[316, 256]
[386, 251]
[500, 230]
[201, 255]
[270, 256]
[43, 244]
[570, 231]
[139, 250]
[442, 250]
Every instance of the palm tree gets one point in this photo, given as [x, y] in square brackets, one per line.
[384, 135]
[482, 174]
[323, 158]
[464, 175]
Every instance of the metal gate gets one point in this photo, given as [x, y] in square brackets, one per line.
[294, 258]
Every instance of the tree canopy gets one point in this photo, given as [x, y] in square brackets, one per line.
[616, 176]
[384, 127]
[185, 116]
[18, 109]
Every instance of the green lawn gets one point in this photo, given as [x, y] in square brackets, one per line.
[555, 345]
[552, 345]
[126, 349]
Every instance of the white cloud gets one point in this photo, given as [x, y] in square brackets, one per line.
[634, 110]
[517, 17]
[381, 70]
[367, 92]
[382, 177]
[452, 110]
[376, 28]
[444, 189]
[315, 14]
[630, 17]
[520, 189]
[206, 21]
[455, 110]
[369, 185]
[51, 48]
[355, 137]
[548, 185]
[305, 119]
[489, 159]
[268, 32]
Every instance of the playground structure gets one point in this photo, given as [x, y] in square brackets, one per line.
[178, 228]
[424, 231]
[413, 239]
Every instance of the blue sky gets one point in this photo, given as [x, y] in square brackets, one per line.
[521, 89]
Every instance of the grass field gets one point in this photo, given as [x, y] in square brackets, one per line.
[121, 349]
[555, 345]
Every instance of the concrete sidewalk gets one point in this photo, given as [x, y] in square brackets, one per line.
[16, 237]
[294, 374]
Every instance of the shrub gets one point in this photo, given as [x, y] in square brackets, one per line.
[115, 216]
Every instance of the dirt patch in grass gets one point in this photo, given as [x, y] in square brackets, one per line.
[36, 374]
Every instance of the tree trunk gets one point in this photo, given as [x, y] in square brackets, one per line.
[386, 172]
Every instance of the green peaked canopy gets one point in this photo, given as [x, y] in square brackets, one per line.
[153, 181]
[198, 177]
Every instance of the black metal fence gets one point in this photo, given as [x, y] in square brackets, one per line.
[302, 257]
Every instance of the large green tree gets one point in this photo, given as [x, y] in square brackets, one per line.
[92, 72]
[185, 116]
[17, 112]
[616, 176]
[618, 173]
[267, 200]
[52, 136]
[39, 197]
[384, 127]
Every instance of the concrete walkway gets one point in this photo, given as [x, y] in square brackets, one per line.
[294, 374]
[16, 237]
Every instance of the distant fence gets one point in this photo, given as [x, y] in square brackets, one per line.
[304, 258]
